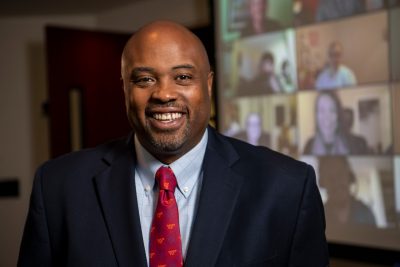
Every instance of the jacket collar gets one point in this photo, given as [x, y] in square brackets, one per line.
[117, 196]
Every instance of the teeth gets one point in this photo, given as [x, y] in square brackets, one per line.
[167, 116]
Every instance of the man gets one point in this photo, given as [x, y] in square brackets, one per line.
[335, 74]
[238, 204]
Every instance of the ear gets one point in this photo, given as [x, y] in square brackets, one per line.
[210, 79]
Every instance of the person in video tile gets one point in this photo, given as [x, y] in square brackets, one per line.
[254, 133]
[335, 74]
[353, 140]
[330, 138]
[266, 80]
[257, 21]
[287, 81]
[342, 207]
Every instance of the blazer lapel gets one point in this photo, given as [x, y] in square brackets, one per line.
[220, 190]
[117, 197]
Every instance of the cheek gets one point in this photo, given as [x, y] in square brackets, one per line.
[321, 118]
[137, 101]
[199, 105]
[331, 119]
[198, 97]
[334, 119]
[326, 116]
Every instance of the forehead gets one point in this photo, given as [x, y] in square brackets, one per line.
[163, 51]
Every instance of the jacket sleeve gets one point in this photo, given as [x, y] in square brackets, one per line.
[309, 247]
[35, 246]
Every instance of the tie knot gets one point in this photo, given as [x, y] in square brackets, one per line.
[166, 179]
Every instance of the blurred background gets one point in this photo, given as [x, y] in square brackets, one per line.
[60, 91]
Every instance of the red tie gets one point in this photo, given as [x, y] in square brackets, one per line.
[165, 237]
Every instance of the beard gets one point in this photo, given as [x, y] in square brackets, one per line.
[160, 142]
[167, 141]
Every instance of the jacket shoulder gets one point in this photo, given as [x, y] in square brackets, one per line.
[261, 155]
[85, 160]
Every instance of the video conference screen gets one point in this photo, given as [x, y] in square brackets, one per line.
[319, 80]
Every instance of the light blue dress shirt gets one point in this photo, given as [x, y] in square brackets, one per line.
[188, 172]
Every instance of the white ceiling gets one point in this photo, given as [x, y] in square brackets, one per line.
[57, 7]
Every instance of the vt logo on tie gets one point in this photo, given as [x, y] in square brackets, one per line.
[165, 238]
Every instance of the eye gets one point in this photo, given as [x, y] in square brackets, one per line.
[183, 77]
[143, 81]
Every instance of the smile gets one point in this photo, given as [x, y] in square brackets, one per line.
[167, 116]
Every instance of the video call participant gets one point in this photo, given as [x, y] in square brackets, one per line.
[286, 144]
[254, 133]
[266, 80]
[234, 204]
[258, 22]
[329, 138]
[342, 207]
[353, 140]
[335, 74]
[287, 81]
[231, 119]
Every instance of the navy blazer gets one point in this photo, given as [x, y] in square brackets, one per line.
[256, 208]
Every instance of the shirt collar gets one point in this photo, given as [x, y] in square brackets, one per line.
[187, 168]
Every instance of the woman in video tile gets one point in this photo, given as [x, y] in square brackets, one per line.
[332, 136]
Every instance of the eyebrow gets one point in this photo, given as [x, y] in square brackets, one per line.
[142, 69]
[138, 70]
[183, 66]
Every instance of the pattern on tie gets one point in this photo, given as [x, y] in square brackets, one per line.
[165, 239]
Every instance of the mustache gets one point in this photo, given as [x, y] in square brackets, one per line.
[153, 106]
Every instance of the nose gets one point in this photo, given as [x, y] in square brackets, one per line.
[165, 91]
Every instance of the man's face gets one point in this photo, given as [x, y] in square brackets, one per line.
[335, 55]
[167, 90]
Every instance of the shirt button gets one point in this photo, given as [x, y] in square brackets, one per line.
[185, 189]
[147, 188]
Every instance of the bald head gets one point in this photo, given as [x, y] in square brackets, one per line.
[161, 35]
